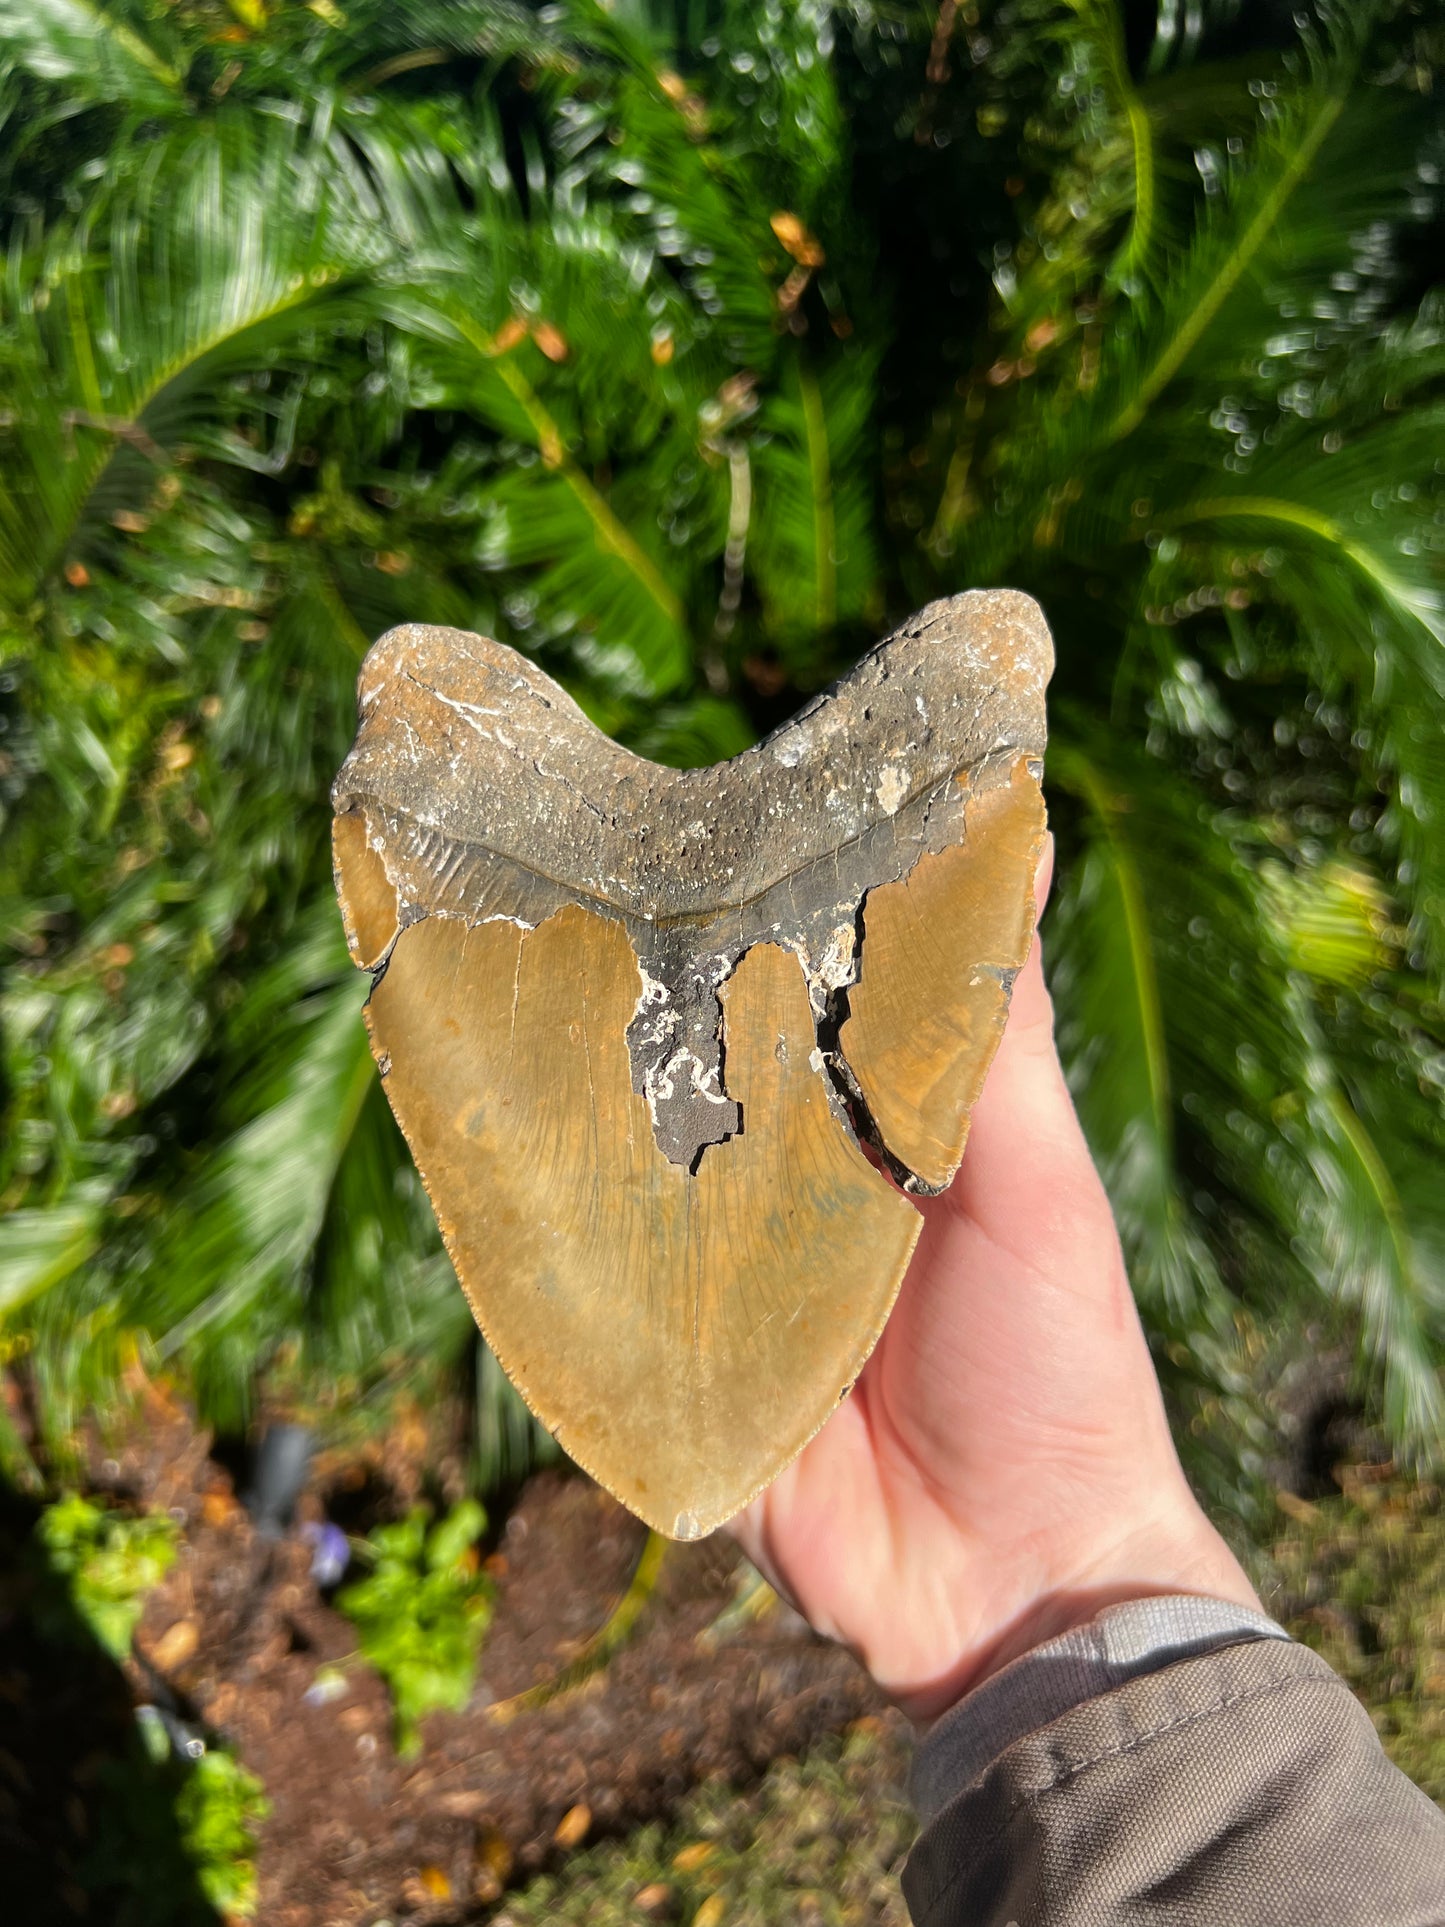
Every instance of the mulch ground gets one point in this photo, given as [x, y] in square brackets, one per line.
[239, 1631]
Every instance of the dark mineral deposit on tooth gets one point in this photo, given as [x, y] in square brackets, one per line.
[638, 1023]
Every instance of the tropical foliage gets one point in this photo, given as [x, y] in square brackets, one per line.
[685, 346]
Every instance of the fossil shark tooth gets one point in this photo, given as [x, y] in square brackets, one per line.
[650, 1033]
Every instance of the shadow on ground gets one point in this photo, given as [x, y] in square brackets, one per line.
[88, 1827]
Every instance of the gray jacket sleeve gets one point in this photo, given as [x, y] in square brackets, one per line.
[1176, 1760]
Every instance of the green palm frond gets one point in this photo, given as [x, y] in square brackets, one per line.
[109, 53]
[1183, 28]
[1203, 1078]
[1113, 986]
[1303, 212]
[1279, 252]
[128, 325]
[1376, 1228]
[300, 1221]
[813, 550]
[687, 357]
[44, 1247]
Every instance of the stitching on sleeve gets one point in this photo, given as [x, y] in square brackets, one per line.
[1032, 1796]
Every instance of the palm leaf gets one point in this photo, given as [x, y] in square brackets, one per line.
[98, 52]
[1190, 1045]
[651, 354]
[1106, 978]
[229, 1274]
[44, 1247]
[232, 240]
[1183, 27]
[812, 545]
[1383, 1254]
[1360, 566]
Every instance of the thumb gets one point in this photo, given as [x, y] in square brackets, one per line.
[1026, 1152]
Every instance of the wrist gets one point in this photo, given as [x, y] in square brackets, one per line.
[1185, 1556]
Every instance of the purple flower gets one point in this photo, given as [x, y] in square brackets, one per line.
[330, 1551]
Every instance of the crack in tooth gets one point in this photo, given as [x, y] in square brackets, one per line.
[845, 1093]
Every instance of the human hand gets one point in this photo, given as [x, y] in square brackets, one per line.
[1003, 1467]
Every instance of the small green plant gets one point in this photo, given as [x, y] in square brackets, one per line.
[219, 1808]
[421, 1613]
[107, 1563]
[174, 1843]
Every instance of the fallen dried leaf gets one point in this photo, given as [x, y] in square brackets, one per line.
[435, 1883]
[689, 1859]
[572, 1828]
[493, 1863]
[1300, 1510]
[222, 1703]
[550, 340]
[175, 1646]
[218, 1508]
[803, 246]
[465, 1805]
[425, 1888]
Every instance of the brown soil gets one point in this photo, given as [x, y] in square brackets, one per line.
[239, 1631]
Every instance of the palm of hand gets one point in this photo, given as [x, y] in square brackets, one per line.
[1003, 1467]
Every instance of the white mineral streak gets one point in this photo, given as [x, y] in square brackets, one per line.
[891, 790]
[835, 966]
[469, 712]
[659, 1081]
[652, 992]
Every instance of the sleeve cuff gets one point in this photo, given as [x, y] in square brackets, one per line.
[1118, 1644]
